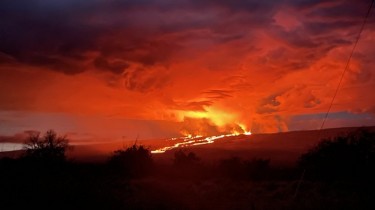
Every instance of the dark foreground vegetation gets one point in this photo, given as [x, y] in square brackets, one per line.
[336, 174]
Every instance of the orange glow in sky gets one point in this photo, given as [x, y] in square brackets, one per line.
[113, 70]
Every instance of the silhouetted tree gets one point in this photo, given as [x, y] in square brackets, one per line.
[351, 156]
[135, 161]
[49, 148]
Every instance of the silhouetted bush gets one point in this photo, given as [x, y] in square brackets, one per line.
[184, 159]
[49, 148]
[135, 161]
[187, 165]
[348, 157]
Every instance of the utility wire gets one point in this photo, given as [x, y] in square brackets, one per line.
[347, 65]
[337, 89]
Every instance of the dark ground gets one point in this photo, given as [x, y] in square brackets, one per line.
[229, 182]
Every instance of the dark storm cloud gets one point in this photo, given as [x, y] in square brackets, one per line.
[116, 67]
[59, 34]
[238, 5]
[305, 3]
[44, 34]
[340, 9]
[342, 15]
[323, 27]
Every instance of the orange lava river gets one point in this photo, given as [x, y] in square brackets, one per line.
[194, 141]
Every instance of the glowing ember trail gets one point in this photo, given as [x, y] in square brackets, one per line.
[190, 140]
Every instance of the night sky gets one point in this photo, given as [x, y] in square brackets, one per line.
[116, 69]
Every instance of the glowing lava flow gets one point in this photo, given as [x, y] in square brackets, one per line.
[195, 141]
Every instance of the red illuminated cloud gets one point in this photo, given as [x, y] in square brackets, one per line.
[217, 64]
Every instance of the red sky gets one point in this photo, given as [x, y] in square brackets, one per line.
[117, 69]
